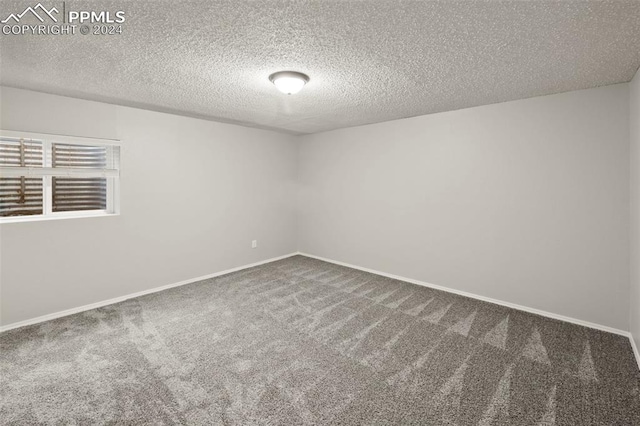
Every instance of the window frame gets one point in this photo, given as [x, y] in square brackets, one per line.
[48, 139]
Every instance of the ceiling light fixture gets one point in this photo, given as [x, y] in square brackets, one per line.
[289, 82]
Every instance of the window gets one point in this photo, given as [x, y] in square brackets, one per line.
[47, 176]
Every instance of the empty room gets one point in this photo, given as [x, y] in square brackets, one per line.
[261, 212]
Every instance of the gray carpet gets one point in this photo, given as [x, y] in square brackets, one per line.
[301, 341]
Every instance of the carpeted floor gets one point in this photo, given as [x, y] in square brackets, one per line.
[300, 341]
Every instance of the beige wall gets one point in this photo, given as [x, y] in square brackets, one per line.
[635, 207]
[194, 195]
[526, 201]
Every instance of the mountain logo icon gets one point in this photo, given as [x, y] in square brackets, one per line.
[33, 11]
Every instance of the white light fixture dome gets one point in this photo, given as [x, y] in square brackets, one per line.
[289, 82]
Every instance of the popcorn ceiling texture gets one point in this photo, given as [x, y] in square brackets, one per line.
[368, 61]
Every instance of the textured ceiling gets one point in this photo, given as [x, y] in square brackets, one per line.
[368, 61]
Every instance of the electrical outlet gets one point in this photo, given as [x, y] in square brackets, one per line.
[254, 243]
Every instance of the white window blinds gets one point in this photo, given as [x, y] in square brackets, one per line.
[44, 177]
[79, 193]
[19, 195]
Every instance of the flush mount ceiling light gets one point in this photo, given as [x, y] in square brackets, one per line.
[289, 82]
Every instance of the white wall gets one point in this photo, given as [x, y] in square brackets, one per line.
[526, 201]
[634, 121]
[194, 195]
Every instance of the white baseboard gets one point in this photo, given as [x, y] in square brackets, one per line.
[72, 311]
[477, 297]
[635, 349]
[490, 300]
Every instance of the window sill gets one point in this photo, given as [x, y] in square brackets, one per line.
[55, 216]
